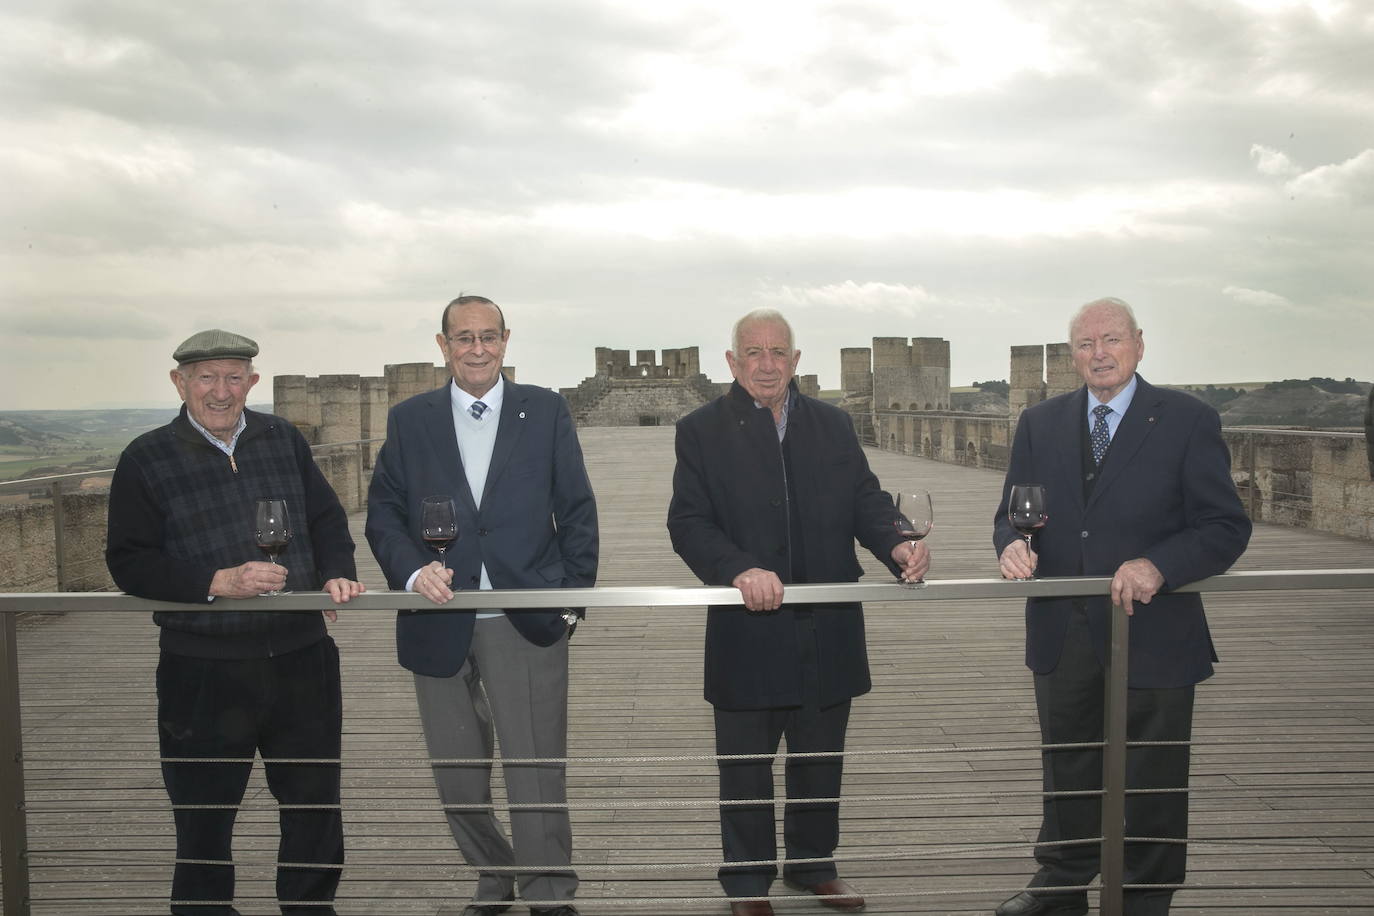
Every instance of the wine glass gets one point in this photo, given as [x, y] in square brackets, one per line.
[439, 523]
[272, 530]
[1026, 512]
[914, 519]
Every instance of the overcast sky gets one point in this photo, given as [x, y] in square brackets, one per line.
[324, 176]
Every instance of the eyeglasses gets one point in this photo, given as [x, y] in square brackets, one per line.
[467, 341]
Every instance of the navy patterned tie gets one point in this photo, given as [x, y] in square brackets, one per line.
[478, 408]
[1099, 438]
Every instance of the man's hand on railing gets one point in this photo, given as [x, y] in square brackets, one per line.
[434, 581]
[342, 591]
[761, 589]
[1017, 560]
[1136, 580]
[248, 581]
[914, 559]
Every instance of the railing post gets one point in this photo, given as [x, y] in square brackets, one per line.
[59, 546]
[1252, 458]
[14, 840]
[1113, 855]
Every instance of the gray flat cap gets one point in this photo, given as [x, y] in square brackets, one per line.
[215, 344]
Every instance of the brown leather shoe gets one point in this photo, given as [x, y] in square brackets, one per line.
[835, 893]
[751, 908]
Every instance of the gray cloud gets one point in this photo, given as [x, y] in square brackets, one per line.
[326, 177]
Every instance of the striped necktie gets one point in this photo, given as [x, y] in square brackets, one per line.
[477, 409]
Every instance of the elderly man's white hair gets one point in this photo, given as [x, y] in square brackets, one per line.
[759, 316]
[1118, 304]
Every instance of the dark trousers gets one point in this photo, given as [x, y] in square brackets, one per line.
[1070, 701]
[810, 831]
[286, 707]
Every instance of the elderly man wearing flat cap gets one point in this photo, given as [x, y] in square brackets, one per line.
[233, 682]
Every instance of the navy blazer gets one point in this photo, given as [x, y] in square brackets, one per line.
[729, 513]
[1164, 492]
[536, 528]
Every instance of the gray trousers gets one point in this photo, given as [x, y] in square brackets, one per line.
[522, 690]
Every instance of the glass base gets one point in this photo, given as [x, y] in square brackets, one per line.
[274, 593]
[919, 583]
[1024, 578]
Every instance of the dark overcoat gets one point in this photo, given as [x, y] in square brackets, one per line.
[730, 512]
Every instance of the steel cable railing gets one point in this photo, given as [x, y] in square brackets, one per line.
[16, 874]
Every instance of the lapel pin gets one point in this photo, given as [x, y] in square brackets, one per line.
[1149, 419]
[522, 415]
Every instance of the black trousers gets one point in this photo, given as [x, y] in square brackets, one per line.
[285, 707]
[810, 831]
[1070, 702]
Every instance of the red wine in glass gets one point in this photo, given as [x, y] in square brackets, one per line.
[914, 518]
[439, 523]
[272, 529]
[1026, 512]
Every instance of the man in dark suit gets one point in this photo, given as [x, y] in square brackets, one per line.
[508, 456]
[772, 488]
[1138, 486]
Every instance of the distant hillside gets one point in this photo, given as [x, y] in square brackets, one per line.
[17, 432]
[74, 424]
[978, 402]
[1317, 403]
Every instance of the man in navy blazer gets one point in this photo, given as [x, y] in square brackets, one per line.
[509, 458]
[1138, 487]
[772, 488]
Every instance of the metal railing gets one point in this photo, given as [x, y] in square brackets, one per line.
[13, 832]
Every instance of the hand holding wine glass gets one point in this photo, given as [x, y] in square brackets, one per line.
[272, 529]
[439, 523]
[1027, 514]
[914, 519]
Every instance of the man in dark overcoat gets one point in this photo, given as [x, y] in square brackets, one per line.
[772, 488]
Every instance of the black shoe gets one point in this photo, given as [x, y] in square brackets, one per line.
[1028, 904]
[566, 909]
[489, 909]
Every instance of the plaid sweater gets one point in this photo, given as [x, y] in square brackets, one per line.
[180, 510]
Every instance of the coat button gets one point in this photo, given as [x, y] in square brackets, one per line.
[476, 580]
[775, 502]
[481, 532]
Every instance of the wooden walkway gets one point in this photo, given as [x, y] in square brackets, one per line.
[939, 822]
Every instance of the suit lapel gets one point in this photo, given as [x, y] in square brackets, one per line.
[1140, 420]
[513, 410]
[1070, 444]
[444, 440]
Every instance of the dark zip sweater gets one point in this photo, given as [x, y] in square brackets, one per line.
[180, 510]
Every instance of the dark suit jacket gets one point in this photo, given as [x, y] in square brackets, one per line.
[729, 513]
[537, 526]
[1164, 492]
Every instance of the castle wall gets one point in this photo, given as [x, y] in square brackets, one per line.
[856, 371]
[341, 409]
[640, 402]
[1027, 378]
[891, 353]
[1060, 375]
